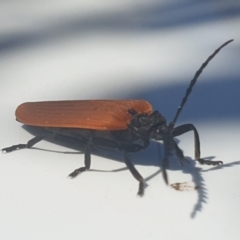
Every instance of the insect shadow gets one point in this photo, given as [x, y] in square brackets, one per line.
[149, 157]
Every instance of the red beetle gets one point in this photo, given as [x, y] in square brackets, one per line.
[124, 125]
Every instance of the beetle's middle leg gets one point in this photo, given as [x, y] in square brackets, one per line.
[190, 127]
[87, 161]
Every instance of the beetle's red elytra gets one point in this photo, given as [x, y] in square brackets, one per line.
[86, 114]
[124, 125]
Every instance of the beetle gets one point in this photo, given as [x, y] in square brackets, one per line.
[124, 125]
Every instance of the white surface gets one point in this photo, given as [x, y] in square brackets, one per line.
[130, 49]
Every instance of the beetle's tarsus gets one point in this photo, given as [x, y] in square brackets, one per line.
[208, 162]
[77, 172]
[29, 144]
[13, 148]
[141, 189]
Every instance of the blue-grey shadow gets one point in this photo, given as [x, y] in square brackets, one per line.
[148, 17]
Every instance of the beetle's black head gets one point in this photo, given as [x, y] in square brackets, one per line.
[158, 127]
[158, 131]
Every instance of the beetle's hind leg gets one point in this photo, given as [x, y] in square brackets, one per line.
[190, 127]
[29, 144]
[87, 161]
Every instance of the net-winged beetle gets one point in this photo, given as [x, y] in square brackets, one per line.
[125, 125]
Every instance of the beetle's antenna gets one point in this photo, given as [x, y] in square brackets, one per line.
[193, 81]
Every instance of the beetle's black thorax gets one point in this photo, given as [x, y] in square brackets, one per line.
[148, 126]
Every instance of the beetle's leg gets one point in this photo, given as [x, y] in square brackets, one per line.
[167, 140]
[132, 148]
[136, 174]
[178, 152]
[190, 127]
[87, 161]
[29, 144]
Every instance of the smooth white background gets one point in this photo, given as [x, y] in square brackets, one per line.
[51, 50]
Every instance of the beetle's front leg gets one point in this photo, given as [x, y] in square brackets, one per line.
[190, 127]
